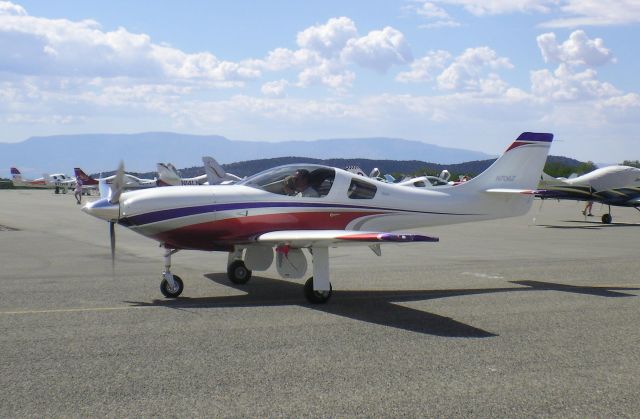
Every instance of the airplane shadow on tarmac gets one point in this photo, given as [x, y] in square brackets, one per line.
[375, 307]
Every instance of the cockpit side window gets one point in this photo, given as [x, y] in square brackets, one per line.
[359, 189]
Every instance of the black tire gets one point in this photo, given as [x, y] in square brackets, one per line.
[238, 273]
[606, 218]
[164, 287]
[316, 297]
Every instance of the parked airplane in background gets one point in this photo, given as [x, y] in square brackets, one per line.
[57, 181]
[214, 175]
[429, 181]
[313, 207]
[130, 181]
[168, 176]
[612, 185]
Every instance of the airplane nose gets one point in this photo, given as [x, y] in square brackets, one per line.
[103, 209]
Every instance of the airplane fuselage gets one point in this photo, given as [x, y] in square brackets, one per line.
[218, 216]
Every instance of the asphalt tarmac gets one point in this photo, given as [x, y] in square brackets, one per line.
[537, 315]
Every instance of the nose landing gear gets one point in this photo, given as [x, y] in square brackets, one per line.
[171, 285]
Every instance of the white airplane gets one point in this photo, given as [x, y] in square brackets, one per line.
[313, 207]
[214, 175]
[168, 176]
[58, 181]
[418, 182]
[130, 181]
[611, 185]
[429, 181]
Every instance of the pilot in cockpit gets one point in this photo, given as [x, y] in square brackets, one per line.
[299, 184]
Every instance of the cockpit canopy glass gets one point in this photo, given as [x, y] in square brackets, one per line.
[295, 180]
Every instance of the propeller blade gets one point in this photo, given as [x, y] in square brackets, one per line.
[112, 239]
[117, 185]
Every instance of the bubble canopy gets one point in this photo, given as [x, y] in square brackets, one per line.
[316, 180]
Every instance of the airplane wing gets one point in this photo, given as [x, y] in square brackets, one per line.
[309, 238]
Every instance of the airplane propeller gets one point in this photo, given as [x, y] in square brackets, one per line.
[108, 206]
[114, 198]
[117, 185]
[112, 239]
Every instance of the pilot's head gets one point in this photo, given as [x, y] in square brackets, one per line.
[302, 179]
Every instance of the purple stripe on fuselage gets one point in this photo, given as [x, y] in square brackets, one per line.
[163, 215]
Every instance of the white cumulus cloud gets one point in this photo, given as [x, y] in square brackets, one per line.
[596, 13]
[577, 50]
[426, 68]
[468, 67]
[8, 8]
[60, 47]
[379, 49]
[274, 88]
[330, 38]
[564, 84]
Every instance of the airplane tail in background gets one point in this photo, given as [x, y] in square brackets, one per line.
[215, 173]
[167, 175]
[85, 178]
[16, 175]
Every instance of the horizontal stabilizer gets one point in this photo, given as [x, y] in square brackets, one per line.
[308, 238]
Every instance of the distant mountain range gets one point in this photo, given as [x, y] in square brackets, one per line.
[140, 152]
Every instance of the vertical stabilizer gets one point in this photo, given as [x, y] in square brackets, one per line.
[519, 167]
[168, 175]
[16, 175]
[85, 178]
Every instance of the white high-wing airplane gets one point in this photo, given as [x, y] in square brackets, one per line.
[611, 185]
[214, 175]
[54, 181]
[313, 207]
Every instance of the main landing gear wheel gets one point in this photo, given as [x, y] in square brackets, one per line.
[606, 218]
[238, 272]
[166, 289]
[316, 297]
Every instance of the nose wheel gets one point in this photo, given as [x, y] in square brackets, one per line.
[169, 290]
[171, 285]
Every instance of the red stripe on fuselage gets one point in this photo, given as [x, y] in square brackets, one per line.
[219, 235]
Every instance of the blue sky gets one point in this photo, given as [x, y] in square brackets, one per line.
[461, 73]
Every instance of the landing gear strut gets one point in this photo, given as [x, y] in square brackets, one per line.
[171, 285]
[318, 288]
